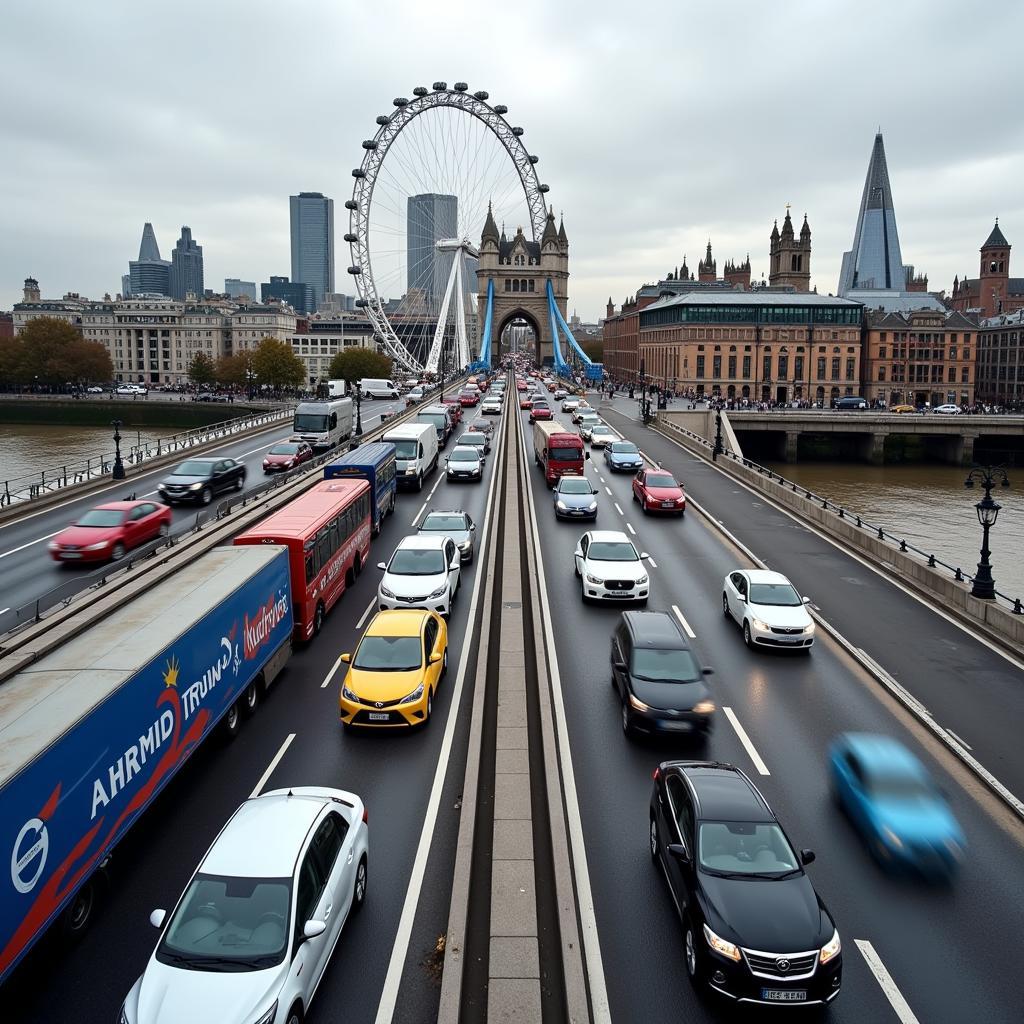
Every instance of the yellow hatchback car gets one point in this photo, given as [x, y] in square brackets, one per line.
[395, 671]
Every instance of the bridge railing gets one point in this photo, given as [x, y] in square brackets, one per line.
[30, 488]
[841, 512]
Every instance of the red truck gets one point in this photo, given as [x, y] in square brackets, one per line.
[558, 452]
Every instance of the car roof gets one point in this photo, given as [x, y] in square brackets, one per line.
[421, 540]
[724, 793]
[608, 535]
[206, 458]
[264, 837]
[467, 448]
[121, 506]
[655, 629]
[883, 754]
[765, 576]
[443, 512]
[399, 622]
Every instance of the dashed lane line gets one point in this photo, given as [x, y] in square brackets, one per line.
[264, 778]
[365, 615]
[618, 508]
[38, 540]
[653, 563]
[761, 767]
[629, 526]
[884, 979]
[330, 675]
[682, 622]
[608, 491]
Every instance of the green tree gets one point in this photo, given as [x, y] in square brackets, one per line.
[202, 369]
[594, 348]
[276, 364]
[231, 370]
[356, 363]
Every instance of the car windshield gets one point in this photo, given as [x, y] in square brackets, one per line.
[417, 562]
[101, 517]
[589, 420]
[657, 666]
[754, 849]
[537, 406]
[284, 449]
[602, 428]
[443, 522]
[613, 551]
[229, 924]
[625, 448]
[193, 468]
[660, 480]
[564, 454]
[906, 789]
[472, 439]
[574, 485]
[781, 595]
[389, 654]
[405, 449]
[310, 421]
[464, 455]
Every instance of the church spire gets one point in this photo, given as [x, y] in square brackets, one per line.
[490, 232]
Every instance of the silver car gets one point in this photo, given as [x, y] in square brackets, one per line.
[575, 497]
[455, 524]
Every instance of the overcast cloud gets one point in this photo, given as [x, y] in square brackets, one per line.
[657, 126]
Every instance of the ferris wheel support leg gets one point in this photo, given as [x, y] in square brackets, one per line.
[462, 342]
[434, 355]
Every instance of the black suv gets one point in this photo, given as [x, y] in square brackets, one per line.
[756, 931]
[199, 480]
[658, 678]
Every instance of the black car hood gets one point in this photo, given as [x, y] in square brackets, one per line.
[177, 478]
[771, 915]
[680, 696]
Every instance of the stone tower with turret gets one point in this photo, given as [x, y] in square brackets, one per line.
[707, 268]
[790, 256]
[994, 279]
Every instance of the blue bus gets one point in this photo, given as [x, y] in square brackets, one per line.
[376, 463]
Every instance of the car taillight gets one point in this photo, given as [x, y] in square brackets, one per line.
[366, 816]
[657, 773]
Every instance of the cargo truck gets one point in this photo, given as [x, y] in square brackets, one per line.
[557, 451]
[92, 731]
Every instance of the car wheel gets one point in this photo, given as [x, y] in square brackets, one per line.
[252, 698]
[693, 963]
[430, 709]
[295, 1015]
[419, 482]
[164, 530]
[654, 841]
[747, 638]
[635, 498]
[233, 720]
[75, 920]
[359, 888]
[627, 720]
[117, 552]
[206, 495]
[318, 619]
[444, 664]
[576, 569]
[725, 606]
[240, 483]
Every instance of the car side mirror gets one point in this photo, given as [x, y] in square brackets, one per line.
[435, 657]
[346, 657]
[311, 929]
[643, 554]
[157, 918]
[678, 851]
[382, 565]
[472, 527]
[456, 562]
[707, 671]
[578, 552]
[807, 857]
[586, 455]
[807, 600]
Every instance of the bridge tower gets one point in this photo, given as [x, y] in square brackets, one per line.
[520, 269]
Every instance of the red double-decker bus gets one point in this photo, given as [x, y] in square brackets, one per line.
[327, 534]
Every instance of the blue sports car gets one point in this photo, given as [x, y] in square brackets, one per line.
[895, 805]
[623, 456]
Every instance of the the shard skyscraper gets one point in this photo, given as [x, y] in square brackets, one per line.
[874, 263]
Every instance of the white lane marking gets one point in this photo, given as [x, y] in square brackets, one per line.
[608, 491]
[369, 608]
[273, 764]
[585, 898]
[2, 610]
[399, 952]
[682, 622]
[330, 675]
[629, 526]
[963, 743]
[255, 450]
[618, 508]
[430, 494]
[654, 564]
[596, 470]
[416, 518]
[745, 740]
[22, 547]
[884, 979]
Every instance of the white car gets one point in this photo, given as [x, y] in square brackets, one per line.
[560, 393]
[466, 462]
[570, 405]
[768, 608]
[94, 390]
[250, 938]
[601, 434]
[610, 568]
[415, 395]
[948, 409]
[490, 406]
[424, 572]
[130, 389]
[587, 424]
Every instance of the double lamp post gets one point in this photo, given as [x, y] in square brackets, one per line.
[984, 585]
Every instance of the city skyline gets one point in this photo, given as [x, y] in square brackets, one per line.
[640, 185]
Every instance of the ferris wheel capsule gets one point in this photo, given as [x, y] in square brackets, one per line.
[383, 119]
[420, 90]
[501, 109]
[461, 87]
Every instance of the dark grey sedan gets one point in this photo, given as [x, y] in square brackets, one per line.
[198, 480]
[455, 524]
[575, 498]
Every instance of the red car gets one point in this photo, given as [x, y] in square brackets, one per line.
[657, 491]
[521, 385]
[525, 402]
[106, 532]
[455, 404]
[469, 397]
[539, 411]
[286, 455]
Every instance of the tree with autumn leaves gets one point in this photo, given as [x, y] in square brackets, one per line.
[52, 352]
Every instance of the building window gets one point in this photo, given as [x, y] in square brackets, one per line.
[951, 378]
[508, 285]
[850, 362]
[783, 367]
[798, 367]
[746, 367]
[716, 367]
[964, 375]
[881, 352]
[700, 367]
[732, 367]
[821, 367]
[766, 368]
[835, 367]
[881, 373]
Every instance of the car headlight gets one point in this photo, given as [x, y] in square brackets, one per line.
[638, 705]
[758, 624]
[348, 694]
[560, 504]
[594, 579]
[719, 945]
[410, 471]
[98, 546]
[53, 546]
[593, 506]
[384, 590]
[465, 545]
[642, 581]
[440, 592]
[891, 838]
[196, 487]
[704, 707]
[161, 487]
[809, 628]
[268, 1017]
[831, 948]
[411, 698]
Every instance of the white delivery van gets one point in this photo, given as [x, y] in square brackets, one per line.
[337, 389]
[378, 387]
[323, 424]
[415, 452]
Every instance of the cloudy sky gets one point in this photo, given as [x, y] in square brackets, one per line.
[657, 125]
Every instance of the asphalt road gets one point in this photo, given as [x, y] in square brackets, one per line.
[937, 943]
[29, 573]
[393, 773]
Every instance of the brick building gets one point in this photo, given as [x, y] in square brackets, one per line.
[993, 291]
[919, 356]
[999, 375]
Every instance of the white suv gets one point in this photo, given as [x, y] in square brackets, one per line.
[424, 572]
[610, 568]
[250, 938]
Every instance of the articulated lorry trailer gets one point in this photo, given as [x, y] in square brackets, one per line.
[94, 729]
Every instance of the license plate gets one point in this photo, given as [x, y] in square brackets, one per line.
[668, 504]
[380, 716]
[70, 554]
[784, 995]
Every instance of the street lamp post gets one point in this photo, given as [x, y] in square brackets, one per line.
[118, 471]
[250, 378]
[984, 585]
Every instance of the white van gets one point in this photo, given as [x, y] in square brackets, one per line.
[323, 424]
[415, 452]
[378, 387]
